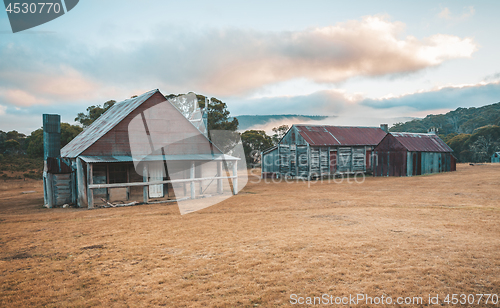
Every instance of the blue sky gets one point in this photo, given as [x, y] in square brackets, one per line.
[366, 62]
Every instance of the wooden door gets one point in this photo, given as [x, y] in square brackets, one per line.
[368, 158]
[333, 161]
[293, 160]
[156, 174]
[284, 159]
[344, 159]
[302, 161]
[358, 159]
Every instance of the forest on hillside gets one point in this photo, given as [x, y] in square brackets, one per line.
[472, 133]
[459, 121]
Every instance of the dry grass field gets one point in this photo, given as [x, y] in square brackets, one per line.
[434, 234]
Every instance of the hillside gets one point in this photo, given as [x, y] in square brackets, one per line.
[472, 133]
[247, 121]
[459, 121]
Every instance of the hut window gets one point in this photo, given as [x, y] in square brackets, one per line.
[99, 177]
[117, 173]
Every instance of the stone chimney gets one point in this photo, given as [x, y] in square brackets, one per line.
[51, 136]
[51, 152]
[433, 130]
[385, 127]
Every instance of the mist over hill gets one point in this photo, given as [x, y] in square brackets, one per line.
[248, 121]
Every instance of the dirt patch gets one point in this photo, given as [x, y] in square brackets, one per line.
[330, 217]
[19, 256]
[93, 247]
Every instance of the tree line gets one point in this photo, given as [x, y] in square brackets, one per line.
[472, 133]
[19, 144]
[16, 143]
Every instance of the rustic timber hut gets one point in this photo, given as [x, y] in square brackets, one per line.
[145, 149]
[408, 154]
[310, 151]
[495, 158]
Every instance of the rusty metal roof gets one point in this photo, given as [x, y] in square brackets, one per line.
[325, 135]
[418, 142]
[104, 124]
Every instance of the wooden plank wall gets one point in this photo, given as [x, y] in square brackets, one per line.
[62, 189]
[270, 161]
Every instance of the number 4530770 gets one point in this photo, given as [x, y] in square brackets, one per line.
[471, 299]
[32, 8]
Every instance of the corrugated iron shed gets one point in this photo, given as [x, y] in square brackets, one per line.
[322, 135]
[417, 142]
[104, 124]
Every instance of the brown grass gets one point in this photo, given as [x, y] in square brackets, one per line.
[388, 236]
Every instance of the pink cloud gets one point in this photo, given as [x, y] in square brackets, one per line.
[369, 47]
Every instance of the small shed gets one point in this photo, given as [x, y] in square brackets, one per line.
[271, 168]
[495, 158]
[141, 149]
[309, 151]
[408, 154]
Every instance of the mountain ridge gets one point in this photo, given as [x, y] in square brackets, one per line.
[248, 121]
[458, 121]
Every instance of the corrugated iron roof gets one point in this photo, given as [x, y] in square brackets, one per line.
[418, 142]
[270, 149]
[104, 124]
[325, 135]
[188, 157]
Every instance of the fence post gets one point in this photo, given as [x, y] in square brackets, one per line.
[219, 174]
[192, 182]
[235, 177]
[90, 181]
[145, 180]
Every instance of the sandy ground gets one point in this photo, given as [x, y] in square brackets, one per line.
[391, 237]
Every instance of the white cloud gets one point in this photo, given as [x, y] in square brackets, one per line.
[468, 11]
[40, 87]
[439, 48]
[21, 98]
[369, 47]
[439, 98]
[222, 63]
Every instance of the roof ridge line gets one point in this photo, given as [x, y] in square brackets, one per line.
[96, 123]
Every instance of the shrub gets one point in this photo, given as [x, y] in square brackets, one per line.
[33, 175]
